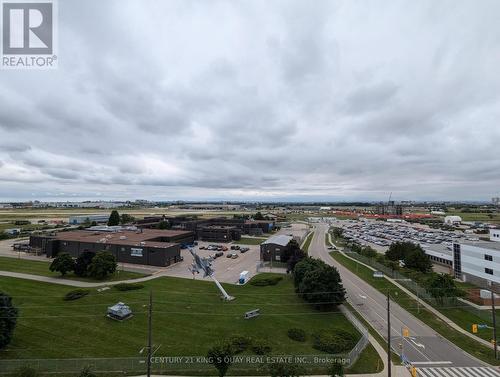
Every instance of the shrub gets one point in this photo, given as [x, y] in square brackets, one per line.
[298, 335]
[286, 370]
[240, 343]
[128, 286]
[220, 356]
[261, 347]
[334, 343]
[262, 282]
[26, 372]
[336, 370]
[76, 294]
[8, 319]
[87, 372]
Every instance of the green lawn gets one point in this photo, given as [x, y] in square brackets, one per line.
[249, 241]
[368, 363]
[307, 242]
[188, 318]
[467, 344]
[42, 268]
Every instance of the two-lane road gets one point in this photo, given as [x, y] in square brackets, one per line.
[424, 347]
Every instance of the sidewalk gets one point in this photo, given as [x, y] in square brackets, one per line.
[77, 283]
[434, 311]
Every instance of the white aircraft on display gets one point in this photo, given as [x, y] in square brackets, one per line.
[205, 265]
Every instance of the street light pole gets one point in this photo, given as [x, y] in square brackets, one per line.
[493, 313]
[150, 318]
[388, 335]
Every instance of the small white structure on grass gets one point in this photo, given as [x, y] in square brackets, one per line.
[119, 311]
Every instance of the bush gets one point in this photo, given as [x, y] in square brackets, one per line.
[262, 282]
[8, 319]
[336, 370]
[334, 343]
[286, 370]
[87, 372]
[220, 356]
[261, 347]
[26, 372]
[128, 287]
[298, 335]
[76, 294]
[240, 343]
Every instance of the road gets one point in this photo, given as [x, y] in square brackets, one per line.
[425, 347]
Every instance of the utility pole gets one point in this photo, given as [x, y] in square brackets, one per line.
[493, 313]
[388, 334]
[150, 318]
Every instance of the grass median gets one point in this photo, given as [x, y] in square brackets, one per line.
[412, 306]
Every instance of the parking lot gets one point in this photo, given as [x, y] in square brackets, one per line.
[380, 235]
[227, 270]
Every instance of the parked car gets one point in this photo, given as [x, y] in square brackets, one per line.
[224, 248]
[244, 249]
[202, 247]
[219, 254]
[234, 256]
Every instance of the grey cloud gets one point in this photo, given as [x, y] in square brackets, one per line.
[273, 100]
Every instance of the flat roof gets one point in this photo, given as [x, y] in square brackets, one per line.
[124, 237]
[483, 244]
[280, 239]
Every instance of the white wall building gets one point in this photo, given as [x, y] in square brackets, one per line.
[477, 262]
[495, 235]
[452, 220]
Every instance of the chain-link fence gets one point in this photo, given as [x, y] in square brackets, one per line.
[421, 292]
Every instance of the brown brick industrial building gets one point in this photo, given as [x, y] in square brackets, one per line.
[143, 246]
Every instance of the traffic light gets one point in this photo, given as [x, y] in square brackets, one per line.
[406, 332]
[474, 328]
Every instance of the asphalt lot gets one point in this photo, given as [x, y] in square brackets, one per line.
[227, 270]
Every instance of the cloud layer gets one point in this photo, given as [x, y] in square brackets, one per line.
[259, 100]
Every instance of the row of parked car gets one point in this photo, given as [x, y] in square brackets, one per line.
[240, 248]
[214, 248]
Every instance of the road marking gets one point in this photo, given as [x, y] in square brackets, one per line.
[458, 372]
[431, 362]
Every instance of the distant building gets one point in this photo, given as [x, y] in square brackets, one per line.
[452, 220]
[274, 247]
[82, 219]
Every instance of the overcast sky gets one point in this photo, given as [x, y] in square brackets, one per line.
[261, 100]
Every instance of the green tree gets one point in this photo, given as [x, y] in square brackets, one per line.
[164, 224]
[302, 267]
[369, 252]
[337, 232]
[220, 356]
[126, 219]
[3, 236]
[336, 370]
[102, 265]
[258, 216]
[323, 287]
[416, 259]
[286, 370]
[397, 250]
[8, 319]
[63, 263]
[441, 286]
[114, 218]
[82, 263]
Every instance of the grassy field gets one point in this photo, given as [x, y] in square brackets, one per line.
[249, 241]
[42, 268]
[307, 242]
[467, 344]
[477, 216]
[188, 318]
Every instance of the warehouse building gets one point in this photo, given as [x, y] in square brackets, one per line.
[78, 220]
[149, 247]
[218, 233]
[273, 249]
